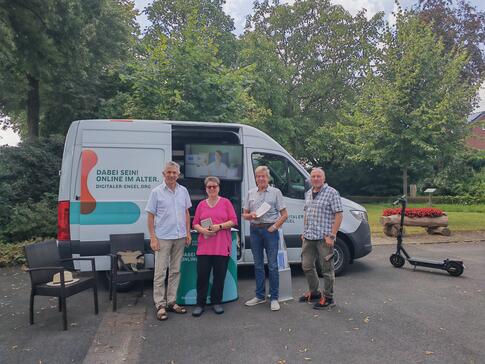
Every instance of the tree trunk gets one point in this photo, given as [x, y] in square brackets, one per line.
[405, 180]
[33, 108]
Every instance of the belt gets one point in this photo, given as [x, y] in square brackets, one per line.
[264, 225]
[314, 239]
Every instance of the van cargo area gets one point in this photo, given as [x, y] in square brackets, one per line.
[188, 135]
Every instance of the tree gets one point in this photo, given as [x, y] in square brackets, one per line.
[182, 77]
[54, 56]
[310, 58]
[458, 24]
[412, 111]
[463, 175]
[169, 17]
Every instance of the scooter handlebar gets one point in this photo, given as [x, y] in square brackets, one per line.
[400, 200]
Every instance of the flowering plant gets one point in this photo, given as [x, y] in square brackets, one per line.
[414, 212]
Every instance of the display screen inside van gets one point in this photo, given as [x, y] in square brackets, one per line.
[223, 161]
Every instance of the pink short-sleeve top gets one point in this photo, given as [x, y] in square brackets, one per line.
[221, 243]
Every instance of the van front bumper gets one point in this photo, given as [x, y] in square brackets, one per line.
[361, 240]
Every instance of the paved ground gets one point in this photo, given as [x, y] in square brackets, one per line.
[384, 315]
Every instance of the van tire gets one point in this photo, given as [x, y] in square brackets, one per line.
[120, 287]
[341, 258]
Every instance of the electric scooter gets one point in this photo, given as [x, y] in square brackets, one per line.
[453, 267]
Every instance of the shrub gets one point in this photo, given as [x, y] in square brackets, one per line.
[12, 254]
[32, 219]
[29, 182]
[452, 200]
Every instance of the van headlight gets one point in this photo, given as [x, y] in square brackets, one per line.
[359, 215]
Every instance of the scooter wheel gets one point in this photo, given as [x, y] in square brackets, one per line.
[454, 269]
[397, 260]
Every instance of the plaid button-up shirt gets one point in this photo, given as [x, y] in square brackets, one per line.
[320, 212]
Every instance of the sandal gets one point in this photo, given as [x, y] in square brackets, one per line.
[161, 313]
[176, 308]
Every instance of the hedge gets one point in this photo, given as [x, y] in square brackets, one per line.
[454, 200]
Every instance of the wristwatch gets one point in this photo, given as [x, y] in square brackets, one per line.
[331, 236]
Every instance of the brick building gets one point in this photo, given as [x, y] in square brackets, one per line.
[476, 139]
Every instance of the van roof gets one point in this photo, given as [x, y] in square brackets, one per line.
[248, 130]
[172, 122]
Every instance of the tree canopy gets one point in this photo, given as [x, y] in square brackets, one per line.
[346, 92]
[56, 56]
[412, 110]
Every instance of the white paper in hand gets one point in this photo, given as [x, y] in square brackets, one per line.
[264, 208]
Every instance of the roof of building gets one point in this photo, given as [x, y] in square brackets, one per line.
[476, 116]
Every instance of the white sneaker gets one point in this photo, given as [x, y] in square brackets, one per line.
[255, 301]
[275, 305]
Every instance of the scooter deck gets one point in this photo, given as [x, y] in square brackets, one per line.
[418, 261]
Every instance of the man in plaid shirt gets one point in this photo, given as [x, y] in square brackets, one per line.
[323, 216]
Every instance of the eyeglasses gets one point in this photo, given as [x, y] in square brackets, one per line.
[212, 187]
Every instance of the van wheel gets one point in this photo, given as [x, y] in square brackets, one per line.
[341, 258]
[120, 287]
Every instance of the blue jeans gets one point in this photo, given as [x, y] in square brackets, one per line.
[262, 239]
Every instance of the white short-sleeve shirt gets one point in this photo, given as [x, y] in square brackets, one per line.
[169, 208]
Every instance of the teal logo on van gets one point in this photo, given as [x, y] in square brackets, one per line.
[105, 213]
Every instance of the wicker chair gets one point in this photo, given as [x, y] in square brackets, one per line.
[44, 261]
[124, 242]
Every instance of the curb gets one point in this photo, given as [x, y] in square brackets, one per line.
[457, 237]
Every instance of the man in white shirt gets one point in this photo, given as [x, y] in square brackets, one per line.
[169, 227]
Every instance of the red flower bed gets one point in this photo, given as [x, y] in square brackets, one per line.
[415, 212]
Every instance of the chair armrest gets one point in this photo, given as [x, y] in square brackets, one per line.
[71, 259]
[93, 263]
[57, 269]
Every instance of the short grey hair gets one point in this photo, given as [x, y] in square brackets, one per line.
[172, 164]
[212, 179]
[318, 169]
[264, 169]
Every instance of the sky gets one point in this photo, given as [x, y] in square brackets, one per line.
[239, 9]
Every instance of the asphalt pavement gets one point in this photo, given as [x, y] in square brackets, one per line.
[383, 315]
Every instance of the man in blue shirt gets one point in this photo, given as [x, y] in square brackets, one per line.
[169, 227]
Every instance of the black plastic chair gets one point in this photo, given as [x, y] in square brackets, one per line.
[125, 242]
[43, 260]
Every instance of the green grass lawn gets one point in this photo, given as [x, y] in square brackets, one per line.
[460, 217]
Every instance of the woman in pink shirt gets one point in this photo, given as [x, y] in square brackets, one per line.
[213, 220]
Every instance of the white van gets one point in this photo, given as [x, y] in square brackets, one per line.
[109, 168]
